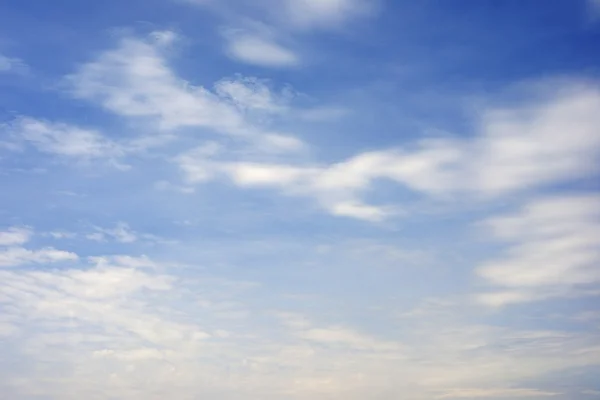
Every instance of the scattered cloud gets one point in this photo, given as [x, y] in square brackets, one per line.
[262, 36]
[126, 315]
[517, 149]
[261, 50]
[121, 233]
[66, 141]
[15, 236]
[9, 64]
[12, 254]
[249, 94]
[16, 256]
[320, 311]
[134, 80]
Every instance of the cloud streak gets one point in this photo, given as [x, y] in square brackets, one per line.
[554, 250]
[516, 150]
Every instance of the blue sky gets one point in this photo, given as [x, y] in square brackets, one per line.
[299, 199]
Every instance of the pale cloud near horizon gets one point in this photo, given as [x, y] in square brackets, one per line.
[122, 332]
[501, 393]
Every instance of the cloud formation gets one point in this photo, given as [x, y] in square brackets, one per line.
[13, 254]
[11, 64]
[554, 250]
[516, 149]
[134, 80]
[259, 50]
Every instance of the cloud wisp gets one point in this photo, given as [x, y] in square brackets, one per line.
[515, 150]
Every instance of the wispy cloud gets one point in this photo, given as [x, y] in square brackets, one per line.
[261, 50]
[12, 254]
[516, 149]
[11, 64]
[215, 267]
[268, 35]
[554, 250]
[135, 81]
[65, 140]
[121, 233]
[15, 236]
[115, 313]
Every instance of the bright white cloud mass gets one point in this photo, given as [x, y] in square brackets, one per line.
[294, 200]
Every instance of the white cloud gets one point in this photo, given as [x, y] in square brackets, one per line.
[107, 282]
[15, 256]
[15, 236]
[259, 50]
[65, 140]
[102, 296]
[249, 94]
[307, 14]
[124, 261]
[520, 148]
[116, 328]
[134, 80]
[122, 233]
[541, 142]
[553, 249]
[9, 64]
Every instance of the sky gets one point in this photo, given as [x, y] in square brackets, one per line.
[299, 199]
